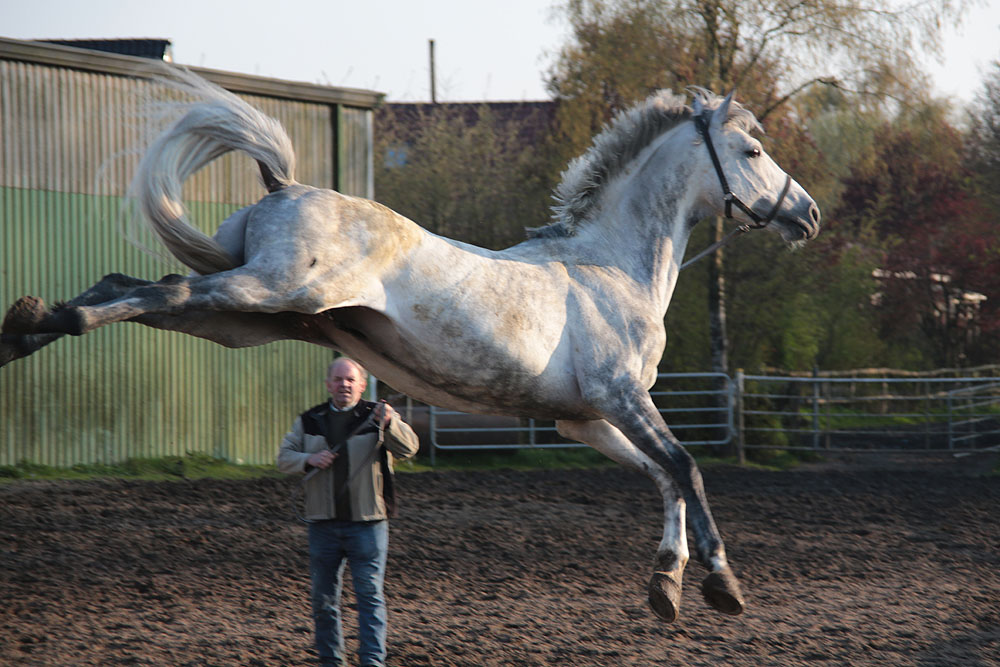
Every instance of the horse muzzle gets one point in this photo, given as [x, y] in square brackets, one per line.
[800, 222]
[810, 223]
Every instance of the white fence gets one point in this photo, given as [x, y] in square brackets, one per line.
[916, 412]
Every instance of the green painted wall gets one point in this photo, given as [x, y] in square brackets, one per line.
[68, 147]
[127, 390]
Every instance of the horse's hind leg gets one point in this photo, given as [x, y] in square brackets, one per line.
[672, 554]
[23, 318]
[236, 290]
[234, 309]
[16, 346]
[633, 413]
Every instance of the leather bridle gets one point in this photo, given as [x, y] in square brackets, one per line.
[758, 222]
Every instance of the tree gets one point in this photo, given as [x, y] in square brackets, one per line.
[462, 171]
[982, 251]
[771, 51]
[983, 138]
[935, 241]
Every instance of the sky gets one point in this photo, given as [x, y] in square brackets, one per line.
[495, 50]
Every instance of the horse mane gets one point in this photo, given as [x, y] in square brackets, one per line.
[616, 146]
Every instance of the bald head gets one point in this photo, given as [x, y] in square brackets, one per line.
[346, 380]
[336, 363]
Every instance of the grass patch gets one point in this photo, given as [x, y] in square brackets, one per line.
[780, 459]
[191, 466]
[527, 458]
[199, 466]
[576, 458]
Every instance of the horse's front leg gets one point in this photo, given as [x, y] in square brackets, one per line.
[672, 554]
[632, 411]
[27, 316]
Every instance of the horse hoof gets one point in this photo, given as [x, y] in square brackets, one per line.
[24, 316]
[8, 351]
[722, 591]
[665, 594]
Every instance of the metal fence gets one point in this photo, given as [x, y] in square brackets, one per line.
[908, 412]
[859, 414]
[699, 407]
[973, 415]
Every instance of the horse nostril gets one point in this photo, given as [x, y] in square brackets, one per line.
[814, 214]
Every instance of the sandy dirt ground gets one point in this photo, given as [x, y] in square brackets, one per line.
[841, 564]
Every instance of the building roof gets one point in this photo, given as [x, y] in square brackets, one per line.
[157, 49]
[74, 57]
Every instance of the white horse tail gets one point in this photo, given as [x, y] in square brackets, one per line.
[215, 123]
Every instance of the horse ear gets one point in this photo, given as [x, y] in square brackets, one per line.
[697, 107]
[720, 115]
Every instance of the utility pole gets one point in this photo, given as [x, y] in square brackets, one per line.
[433, 84]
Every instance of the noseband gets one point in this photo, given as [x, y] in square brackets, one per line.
[757, 221]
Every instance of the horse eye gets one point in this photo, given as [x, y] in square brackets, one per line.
[753, 152]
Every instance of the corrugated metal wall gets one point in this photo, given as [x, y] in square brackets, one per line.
[67, 154]
[356, 132]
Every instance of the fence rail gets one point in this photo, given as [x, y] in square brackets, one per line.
[972, 415]
[918, 412]
[860, 414]
[698, 407]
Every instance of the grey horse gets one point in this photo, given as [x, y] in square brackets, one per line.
[567, 325]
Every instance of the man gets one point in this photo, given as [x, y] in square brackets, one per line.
[349, 497]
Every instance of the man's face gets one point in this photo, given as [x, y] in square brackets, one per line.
[345, 384]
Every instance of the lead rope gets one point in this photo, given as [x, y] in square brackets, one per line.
[381, 425]
[300, 487]
[742, 229]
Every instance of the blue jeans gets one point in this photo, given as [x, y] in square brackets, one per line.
[364, 545]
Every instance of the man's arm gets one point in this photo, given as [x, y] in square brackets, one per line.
[291, 456]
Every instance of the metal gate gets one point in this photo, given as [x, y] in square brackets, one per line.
[918, 412]
[699, 407]
[902, 412]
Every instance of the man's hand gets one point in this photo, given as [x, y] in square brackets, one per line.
[386, 417]
[322, 460]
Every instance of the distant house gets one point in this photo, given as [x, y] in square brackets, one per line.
[951, 308]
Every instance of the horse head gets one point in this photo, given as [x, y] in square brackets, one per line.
[742, 181]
